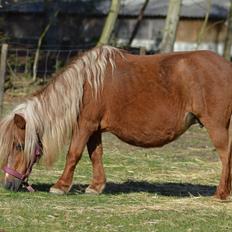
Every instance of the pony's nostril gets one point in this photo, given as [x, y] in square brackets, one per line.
[8, 185]
[12, 185]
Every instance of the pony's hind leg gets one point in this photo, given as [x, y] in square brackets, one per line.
[95, 151]
[220, 136]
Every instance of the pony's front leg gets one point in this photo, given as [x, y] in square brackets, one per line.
[79, 140]
[95, 151]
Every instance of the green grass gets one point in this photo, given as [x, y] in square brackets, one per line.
[163, 189]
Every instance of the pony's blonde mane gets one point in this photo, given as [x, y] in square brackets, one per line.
[51, 114]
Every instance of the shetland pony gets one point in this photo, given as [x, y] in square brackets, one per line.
[146, 101]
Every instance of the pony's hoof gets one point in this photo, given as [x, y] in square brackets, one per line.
[222, 196]
[57, 191]
[92, 191]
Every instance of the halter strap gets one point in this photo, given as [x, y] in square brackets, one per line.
[14, 173]
[23, 178]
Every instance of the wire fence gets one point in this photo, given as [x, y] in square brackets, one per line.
[20, 61]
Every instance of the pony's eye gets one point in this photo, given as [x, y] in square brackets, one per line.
[19, 147]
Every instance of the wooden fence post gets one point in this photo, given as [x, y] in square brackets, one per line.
[2, 74]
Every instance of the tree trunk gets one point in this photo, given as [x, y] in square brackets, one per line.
[139, 20]
[51, 18]
[228, 40]
[110, 22]
[203, 27]
[36, 59]
[171, 23]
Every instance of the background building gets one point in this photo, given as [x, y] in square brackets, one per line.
[79, 23]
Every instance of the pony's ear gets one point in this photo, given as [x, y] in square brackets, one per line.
[20, 121]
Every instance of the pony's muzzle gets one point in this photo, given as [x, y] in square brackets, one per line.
[12, 183]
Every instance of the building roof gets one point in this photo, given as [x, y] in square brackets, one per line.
[189, 8]
[129, 8]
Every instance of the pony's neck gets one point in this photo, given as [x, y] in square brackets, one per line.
[57, 107]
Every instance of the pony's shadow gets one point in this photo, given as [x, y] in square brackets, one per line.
[130, 186]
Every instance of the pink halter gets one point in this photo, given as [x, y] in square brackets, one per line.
[24, 178]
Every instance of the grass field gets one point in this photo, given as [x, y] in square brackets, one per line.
[164, 189]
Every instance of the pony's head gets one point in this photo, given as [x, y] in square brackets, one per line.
[16, 162]
[19, 150]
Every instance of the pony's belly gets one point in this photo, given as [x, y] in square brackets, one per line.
[155, 138]
[152, 134]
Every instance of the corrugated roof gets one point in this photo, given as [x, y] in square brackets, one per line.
[190, 8]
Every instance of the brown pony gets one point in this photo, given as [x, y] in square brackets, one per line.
[146, 101]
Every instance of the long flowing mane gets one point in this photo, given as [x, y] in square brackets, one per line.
[51, 113]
